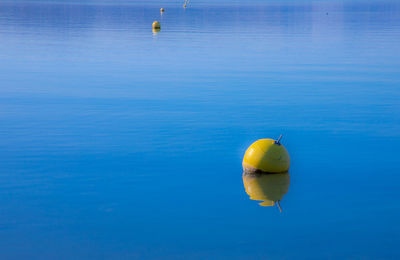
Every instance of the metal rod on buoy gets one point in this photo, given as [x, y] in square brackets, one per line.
[279, 205]
[279, 139]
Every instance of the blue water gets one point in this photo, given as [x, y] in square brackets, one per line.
[120, 143]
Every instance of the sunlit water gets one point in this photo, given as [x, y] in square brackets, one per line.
[118, 143]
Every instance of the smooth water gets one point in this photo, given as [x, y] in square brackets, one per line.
[120, 143]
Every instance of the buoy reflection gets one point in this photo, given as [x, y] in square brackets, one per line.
[269, 188]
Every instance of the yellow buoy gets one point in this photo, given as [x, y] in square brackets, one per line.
[156, 25]
[267, 155]
[162, 10]
[266, 187]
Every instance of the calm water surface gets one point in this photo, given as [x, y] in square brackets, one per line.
[118, 143]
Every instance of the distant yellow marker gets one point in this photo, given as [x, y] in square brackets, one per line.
[267, 155]
[156, 25]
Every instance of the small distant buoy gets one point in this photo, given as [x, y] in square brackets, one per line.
[266, 155]
[156, 25]
[162, 10]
